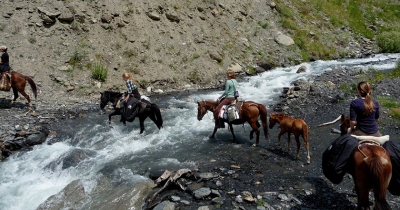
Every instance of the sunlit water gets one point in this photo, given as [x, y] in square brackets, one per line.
[124, 156]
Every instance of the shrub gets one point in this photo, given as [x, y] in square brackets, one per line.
[389, 42]
[99, 72]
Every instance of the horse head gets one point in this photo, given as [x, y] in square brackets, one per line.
[104, 99]
[273, 118]
[344, 124]
[201, 109]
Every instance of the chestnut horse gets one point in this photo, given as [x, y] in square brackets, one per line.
[248, 112]
[371, 169]
[18, 82]
[290, 125]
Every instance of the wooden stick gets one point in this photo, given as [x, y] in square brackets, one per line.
[328, 123]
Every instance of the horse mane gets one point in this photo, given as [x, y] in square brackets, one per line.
[110, 92]
[280, 115]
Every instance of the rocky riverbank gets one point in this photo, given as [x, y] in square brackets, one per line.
[245, 177]
[242, 176]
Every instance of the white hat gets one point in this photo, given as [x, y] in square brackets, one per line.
[3, 47]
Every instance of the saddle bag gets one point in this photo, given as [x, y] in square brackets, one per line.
[129, 109]
[335, 158]
[233, 113]
[222, 113]
[393, 148]
[5, 82]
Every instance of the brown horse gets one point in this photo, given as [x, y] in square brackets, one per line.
[18, 82]
[290, 125]
[249, 112]
[370, 167]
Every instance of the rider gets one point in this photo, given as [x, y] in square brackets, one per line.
[364, 112]
[4, 63]
[226, 97]
[133, 96]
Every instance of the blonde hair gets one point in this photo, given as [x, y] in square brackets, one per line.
[365, 90]
[128, 76]
[230, 74]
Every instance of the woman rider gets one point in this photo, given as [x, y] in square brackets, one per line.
[227, 97]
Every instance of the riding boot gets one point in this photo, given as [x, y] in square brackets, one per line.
[221, 123]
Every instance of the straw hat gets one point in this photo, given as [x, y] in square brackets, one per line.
[3, 47]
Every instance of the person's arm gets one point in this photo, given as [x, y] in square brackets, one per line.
[377, 113]
[353, 115]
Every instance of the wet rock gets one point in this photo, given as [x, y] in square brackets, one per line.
[36, 138]
[202, 192]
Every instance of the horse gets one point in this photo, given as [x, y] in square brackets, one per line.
[18, 82]
[248, 112]
[371, 169]
[290, 125]
[150, 110]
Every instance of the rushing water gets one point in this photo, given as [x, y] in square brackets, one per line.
[124, 157]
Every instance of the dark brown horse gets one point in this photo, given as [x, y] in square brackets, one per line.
[151, 110]
[18, 82]
[290, 125]
[371, 169]
[248, 112]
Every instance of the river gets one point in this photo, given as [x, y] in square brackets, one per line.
[123, 157]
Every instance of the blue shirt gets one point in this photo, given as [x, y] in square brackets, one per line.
[230, 88]
[365, 123]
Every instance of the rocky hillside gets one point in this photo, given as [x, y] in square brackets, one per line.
[167, 45]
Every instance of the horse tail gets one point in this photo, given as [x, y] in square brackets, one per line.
[156, 110]
[32, 84]
[263, 117]
[376, 166]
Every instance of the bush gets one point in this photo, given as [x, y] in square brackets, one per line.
[99, 72]
[389, 42]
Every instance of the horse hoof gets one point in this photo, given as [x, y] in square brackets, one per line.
[254, 145]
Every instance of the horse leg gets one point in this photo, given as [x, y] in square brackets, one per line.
[308, 149]
[288, 142]
[215, 129]
[26, 96]
[15, 91]
[116, 112]
[255, 125]
[279, 138]
[233, 135]
[297, 138]
[141, 123]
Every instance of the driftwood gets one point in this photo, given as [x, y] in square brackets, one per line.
[171, 177]
[329, 123]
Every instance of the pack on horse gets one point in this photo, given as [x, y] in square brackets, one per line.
[147, 109]
[290, 125]
[370, 167]
[248, 112]
[18, 83]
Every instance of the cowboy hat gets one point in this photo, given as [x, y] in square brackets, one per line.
[3, 47]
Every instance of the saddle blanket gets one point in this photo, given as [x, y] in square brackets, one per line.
[380, 140]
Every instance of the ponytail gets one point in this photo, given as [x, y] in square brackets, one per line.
[365, 90]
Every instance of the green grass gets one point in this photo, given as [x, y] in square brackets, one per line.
[377, 19]
[392, 105]
[389, 41]
[99, 72]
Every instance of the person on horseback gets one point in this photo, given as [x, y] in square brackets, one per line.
[4, 63]
[227, 97]
[131, 99]
[364, 112]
